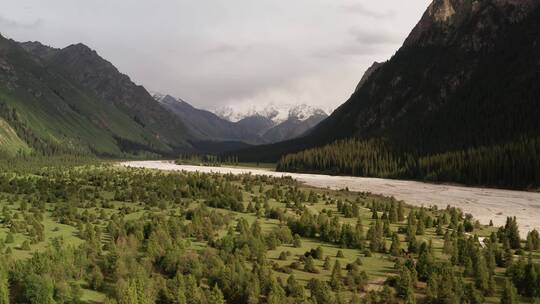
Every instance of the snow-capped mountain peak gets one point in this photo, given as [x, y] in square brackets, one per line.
[304, 111]
[276, 113]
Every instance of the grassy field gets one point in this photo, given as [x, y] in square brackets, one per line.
[378, 267]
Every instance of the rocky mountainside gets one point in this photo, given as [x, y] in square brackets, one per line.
[72, 100]
[368, 74]
[296, 125]
[206, 125]
[267, 125]
[466, 77]
[276, 123]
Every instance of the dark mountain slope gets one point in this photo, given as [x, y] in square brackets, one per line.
[467, 77]
[293, 127]
[211, 131]
[206, 125]
[100, 78]
[257, 123]
[72, 100]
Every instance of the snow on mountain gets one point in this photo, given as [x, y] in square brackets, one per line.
[157, 95]
[274, 112]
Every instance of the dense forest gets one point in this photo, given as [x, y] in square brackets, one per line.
[79, 231]
[515, 165]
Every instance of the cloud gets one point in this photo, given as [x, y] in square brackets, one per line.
[221, 52]
[362, 10]
[12, 24]
[378, 37]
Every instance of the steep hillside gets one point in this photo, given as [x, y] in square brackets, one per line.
[71, 100]
[466, 78]
[10, 142]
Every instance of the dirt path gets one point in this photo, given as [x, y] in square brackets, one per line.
[485, 204]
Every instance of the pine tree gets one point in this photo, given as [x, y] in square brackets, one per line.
[425, 263]
[39, 290]
[395, 248]
[181, 292]
[326, 264]
[512, 232]
[294, 289]
[336, 277]
[297, 241]
[401, 212]
[509, 295]
[4, 286]
[404, 286]
[481, 279]
[216, 296]
[25, 246]
[9, 238]
[309, 265]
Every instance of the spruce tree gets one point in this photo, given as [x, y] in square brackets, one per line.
[4, 286]
[395, 248]
[216, 296]
[336, 277]
[481, 279]
[181, 291]
[509, 295]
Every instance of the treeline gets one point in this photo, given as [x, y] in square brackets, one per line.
[206, 160]
[512, 165]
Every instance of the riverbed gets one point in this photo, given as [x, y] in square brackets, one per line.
[484, 204]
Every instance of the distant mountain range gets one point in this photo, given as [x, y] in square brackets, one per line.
[268, 125]
[276, 113]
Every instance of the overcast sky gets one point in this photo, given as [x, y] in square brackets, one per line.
[227, 52]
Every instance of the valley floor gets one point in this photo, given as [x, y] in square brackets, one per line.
[484, 204]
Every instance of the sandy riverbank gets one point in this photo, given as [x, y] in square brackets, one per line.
[484, 204]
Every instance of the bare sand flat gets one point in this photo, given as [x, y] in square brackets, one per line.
[485, 204]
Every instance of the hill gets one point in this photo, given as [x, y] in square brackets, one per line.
[464, 82]
[73, 101]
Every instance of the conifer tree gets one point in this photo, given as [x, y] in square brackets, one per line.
[216, 296]
[297, 242]
[404, 286]
[395, 248]
[294, 289]
[401, 212]
[336, 277]
[509, 295]
[4, 286]
[181, 292]
[481, 279]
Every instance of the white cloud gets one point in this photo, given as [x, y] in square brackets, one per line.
[217, 52]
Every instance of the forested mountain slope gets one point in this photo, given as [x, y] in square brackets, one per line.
[73, 101]
[465, 79]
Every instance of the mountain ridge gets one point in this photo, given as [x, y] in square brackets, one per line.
[253, 128]
[73, 100]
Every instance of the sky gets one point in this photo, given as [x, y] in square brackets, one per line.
[236, 53]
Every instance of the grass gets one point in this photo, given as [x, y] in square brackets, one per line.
[378, 266]
[10, 143]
